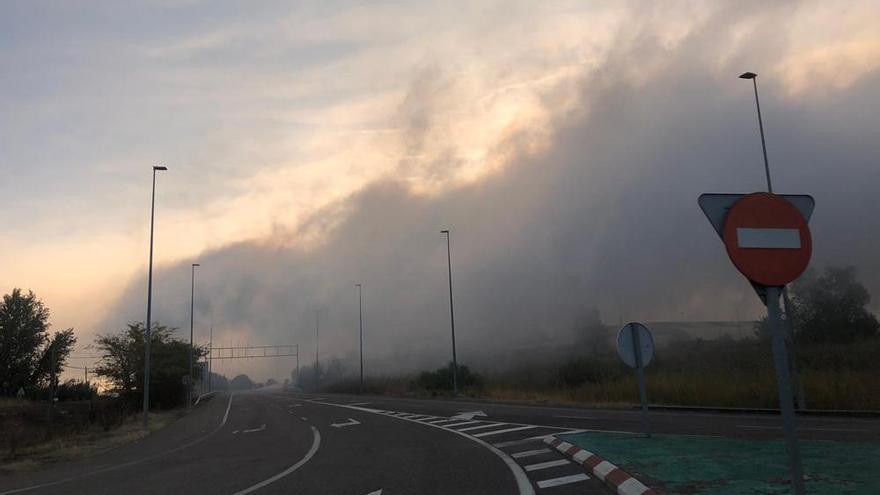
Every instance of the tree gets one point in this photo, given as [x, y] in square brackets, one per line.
[828, 307]
[241, 382]
[832, 306]
[122, 364]
[26, 350]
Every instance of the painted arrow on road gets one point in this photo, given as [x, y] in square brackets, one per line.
[261, 428]
[469, 415]
[351, 422]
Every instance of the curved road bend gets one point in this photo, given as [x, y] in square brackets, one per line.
[275, 443]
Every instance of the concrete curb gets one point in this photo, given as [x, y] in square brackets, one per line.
[617, 479]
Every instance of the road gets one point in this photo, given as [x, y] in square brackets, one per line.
[272, 441]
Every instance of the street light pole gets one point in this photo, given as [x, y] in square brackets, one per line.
[451, 315]
[317, 354]
[211, 351]
[780, 349]
[754, 78]
[192, 305]
[147, 336]
[361, 328]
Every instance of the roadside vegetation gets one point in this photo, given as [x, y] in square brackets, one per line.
[43, 419]
[836, 342]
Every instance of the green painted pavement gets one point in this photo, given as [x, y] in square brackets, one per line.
[690, 464]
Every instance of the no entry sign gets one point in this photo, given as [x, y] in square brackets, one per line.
[767, 239]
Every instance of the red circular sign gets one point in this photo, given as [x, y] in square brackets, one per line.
[767, 239]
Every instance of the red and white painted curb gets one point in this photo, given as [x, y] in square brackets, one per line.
[613, 476]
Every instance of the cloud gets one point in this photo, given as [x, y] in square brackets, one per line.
[592, 205]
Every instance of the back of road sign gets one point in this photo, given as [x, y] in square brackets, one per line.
[627, 351]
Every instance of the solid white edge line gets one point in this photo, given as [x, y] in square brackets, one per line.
[226, 414]
[316, 442]
[562, 480]
[126, 464]
[522, 481]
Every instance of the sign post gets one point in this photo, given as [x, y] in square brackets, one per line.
[635, 346]
[768, 240]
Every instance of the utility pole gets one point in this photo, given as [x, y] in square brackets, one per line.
[147, 330]
[451, 315]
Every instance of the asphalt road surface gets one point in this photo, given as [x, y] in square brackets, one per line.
[283, 442]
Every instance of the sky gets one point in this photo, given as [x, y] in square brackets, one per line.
[315, 145]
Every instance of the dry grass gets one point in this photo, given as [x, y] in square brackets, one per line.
[824, 390]
[86, 443]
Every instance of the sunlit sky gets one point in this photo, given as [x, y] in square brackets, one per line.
[266, 112]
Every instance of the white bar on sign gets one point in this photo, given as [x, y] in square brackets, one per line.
[768, 238]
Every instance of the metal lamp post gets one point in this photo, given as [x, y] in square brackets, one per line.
[451, 315]
[361, 331]
[772, 298]
[147, 333]
[192, 305]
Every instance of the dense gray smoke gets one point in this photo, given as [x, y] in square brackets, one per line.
[604, 218]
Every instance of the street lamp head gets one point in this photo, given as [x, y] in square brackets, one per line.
[159, 167]
[748, 75]
[444, 231]
[196, 264]
[357, 285]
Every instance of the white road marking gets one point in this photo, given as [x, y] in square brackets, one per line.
[413, 416]
[548, 464]
[563, 480]
[130, 463]
[303, 418]
[523, 484]
[253, 430]
[463, 423]
[521, 441]
[226, 414]
[508, 430]
[377, 492]
[529, 453]
[363, 404]
[316, 442]
[443, 420]
[234, 432]
[469, 415]
[480, 427]
[351, 422]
